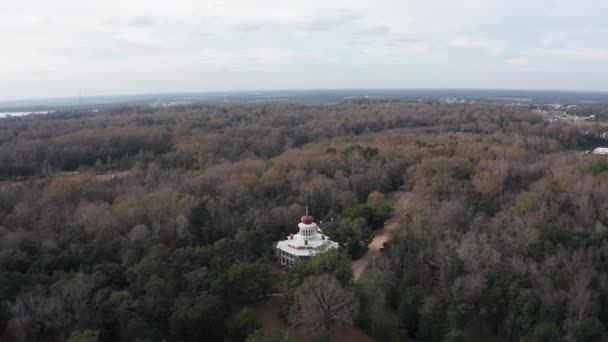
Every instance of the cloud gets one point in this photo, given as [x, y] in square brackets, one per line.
[375, 30]
[401, 40]
[356, 43]
[477, 43]
[143, 22]
[248, 27]
[580, 56]
[520, 62]
[20, 21]
[411, 50]
[465, 42]
[331, 20]
[42, 72]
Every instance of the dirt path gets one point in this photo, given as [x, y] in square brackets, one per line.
[380, 237]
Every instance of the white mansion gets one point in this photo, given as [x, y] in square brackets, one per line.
[303, 245]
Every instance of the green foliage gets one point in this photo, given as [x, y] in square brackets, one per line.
[508, 297]
[4, 314]
[410, 303]
[432, 320]
[243, 325]
[352, 234]
[285, 303]
[110, 275]
[248, 282]
[527, 309]
[497, 294]
[553, 233]
[122, 313]
[460, 307]
[378, 209]
[544, 332]
[365, 152]
[455, 335]
[185, 259]
[322, 336]
[333, 261]
[384, 327]
[599, 166]
[375, 211]
[589, 330]
[84, 336]
[603, 308]
[202, 279]
[194, 317]
[154, 264]
[262, 336]
[363, 319]
[245, 246]
[354, 231]
[200, 222]
[155, 302]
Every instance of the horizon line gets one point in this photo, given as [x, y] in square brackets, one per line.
[244, 91]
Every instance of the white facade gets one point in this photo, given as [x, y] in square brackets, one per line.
[303, 245]
[601, 150]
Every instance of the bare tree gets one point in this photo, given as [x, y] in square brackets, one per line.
[139, 233]
[94, 216]
[579, 298]
[52, 312]
[321, 303]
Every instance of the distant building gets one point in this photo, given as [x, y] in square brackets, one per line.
[305, 244]
[451, 100]
[554, 105]
[601, 151]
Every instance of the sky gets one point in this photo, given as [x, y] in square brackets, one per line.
[68, 48]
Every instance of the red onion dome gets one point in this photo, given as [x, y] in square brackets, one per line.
[307, 219]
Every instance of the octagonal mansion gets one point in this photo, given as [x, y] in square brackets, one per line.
[309, 241]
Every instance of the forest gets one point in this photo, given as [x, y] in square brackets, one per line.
[159, 224]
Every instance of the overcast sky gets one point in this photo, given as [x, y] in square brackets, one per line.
[85, 47]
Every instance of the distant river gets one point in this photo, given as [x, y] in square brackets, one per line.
[6, 114]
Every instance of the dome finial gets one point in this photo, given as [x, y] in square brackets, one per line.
[307, 219]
